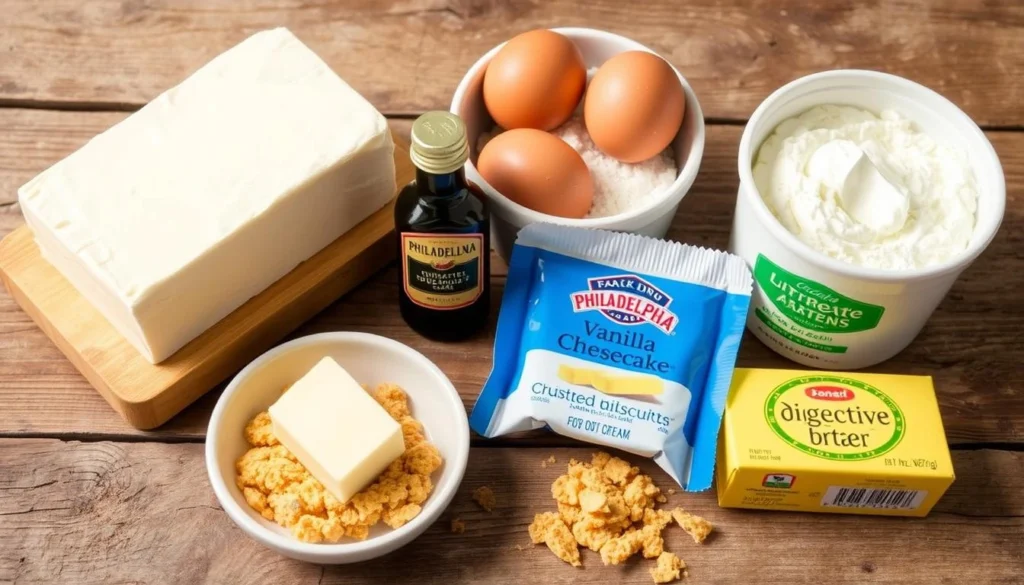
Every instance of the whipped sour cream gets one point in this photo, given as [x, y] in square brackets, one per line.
[869, 190]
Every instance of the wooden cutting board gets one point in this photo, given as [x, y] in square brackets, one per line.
[147, 395]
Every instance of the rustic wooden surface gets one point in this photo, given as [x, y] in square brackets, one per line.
[86, 499]
[123, 503]
[120, 53]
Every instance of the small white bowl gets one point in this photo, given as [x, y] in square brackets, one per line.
[371, 360]
[508, 217]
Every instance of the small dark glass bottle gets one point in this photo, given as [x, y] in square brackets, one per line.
[443, 235]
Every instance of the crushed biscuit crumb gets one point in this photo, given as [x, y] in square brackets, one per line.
[619, 549]
[653, 543]
[608, 506]
[660, 518]
[695, 526]
[593, 502]
[548, 528]
[277, 486]
[259, 431]
[484, 496]
[458, 526]
[669, 568]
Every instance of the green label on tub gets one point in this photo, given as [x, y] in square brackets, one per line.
[795, 339]
[813, 305]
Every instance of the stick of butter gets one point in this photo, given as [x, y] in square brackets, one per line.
[851, 443]
[336, 430]
[611, 384]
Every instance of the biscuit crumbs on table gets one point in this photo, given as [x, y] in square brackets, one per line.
[669, 568]
[277, 486]
[484, 496]
[548, 528]
[609, 507]
[458, 526]
[695, 526]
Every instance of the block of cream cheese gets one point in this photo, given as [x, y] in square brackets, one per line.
[173, 218]
[336, 429]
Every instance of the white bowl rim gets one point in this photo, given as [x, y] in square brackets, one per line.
[673, 193]
[809, 254]
[440, 498]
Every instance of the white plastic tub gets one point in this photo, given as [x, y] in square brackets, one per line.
[884, 310]
[507, 217]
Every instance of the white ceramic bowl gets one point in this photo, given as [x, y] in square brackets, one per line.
[892, 306]
[371, 360]
[507, 217]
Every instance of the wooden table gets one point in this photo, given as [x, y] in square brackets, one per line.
[85, 499]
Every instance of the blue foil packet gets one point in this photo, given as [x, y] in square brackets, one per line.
[619, 340]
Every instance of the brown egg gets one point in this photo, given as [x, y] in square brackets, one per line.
[539, 171]
[634, 106]
[535, 81]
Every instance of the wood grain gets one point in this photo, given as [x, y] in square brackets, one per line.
[91, 513]
[973, 346]
[407, 56]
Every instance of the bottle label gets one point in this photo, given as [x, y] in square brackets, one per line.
[443, 271]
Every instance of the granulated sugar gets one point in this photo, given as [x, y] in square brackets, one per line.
[618, 186]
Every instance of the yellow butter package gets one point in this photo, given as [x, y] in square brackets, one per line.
[850, 443]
